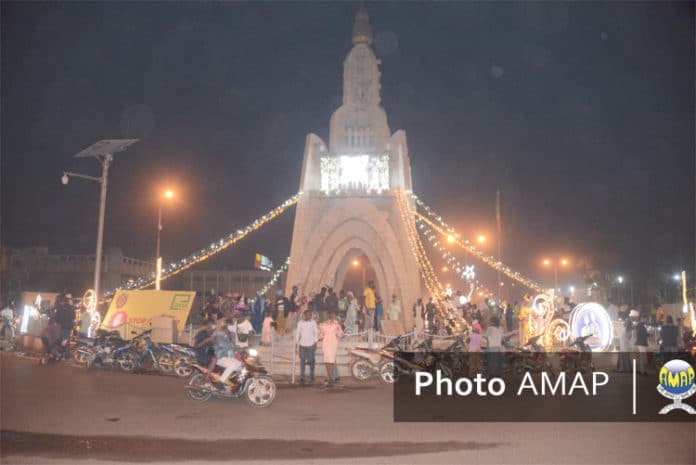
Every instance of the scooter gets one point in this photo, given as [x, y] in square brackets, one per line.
[369, 362]
[252, 382]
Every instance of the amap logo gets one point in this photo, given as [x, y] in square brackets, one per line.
[677, 383]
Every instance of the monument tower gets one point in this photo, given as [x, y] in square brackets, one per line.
[348, 205]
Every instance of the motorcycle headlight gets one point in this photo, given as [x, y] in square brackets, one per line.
[253, 352]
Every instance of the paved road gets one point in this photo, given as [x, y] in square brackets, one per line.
[57, 414]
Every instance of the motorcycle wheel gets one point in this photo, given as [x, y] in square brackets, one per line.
[80, 357]
[128, 362]
[261, 391]
[165, 362]
[182, 368]
[195, 388]
[361, 370]
[388, 373]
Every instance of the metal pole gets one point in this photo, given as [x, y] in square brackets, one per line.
[294, 354]
[158, 267]
[105, 161]
[555, 277]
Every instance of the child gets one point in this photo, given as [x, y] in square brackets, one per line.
[267, 329]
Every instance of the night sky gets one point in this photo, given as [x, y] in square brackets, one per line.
[581, 113]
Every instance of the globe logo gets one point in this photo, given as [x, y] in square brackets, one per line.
[677, 382]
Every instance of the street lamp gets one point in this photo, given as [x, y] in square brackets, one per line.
[103, 151]
[562, 261]
[445, 269]
[481, 239]
[167, 195]
[356, 264]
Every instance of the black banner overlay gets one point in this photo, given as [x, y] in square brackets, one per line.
[461, 387]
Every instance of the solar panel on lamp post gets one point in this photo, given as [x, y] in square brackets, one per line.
[103, 151]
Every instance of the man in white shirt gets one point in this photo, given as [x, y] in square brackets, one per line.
[307, 337]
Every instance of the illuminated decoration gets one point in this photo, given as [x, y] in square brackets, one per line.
[466, 271]
[451, 317]
[275, 277]
[436, 222]
[214, 248]
[557, 333]
[354, 172]
[591, 319]
[469, 274]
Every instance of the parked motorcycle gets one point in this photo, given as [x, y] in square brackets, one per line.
[84, 348]
[389, 364]
[577, 357]
[252, 382]
[179, 357]
[531, 357]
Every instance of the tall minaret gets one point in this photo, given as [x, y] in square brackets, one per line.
[349, 206]
[360, 125]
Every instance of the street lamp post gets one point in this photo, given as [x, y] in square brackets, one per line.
[103, 151]
[168, 194]
[563, 262]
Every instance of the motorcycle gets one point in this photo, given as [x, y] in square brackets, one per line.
[531, 357]
[84, 348]
[577, 357]
[177, 359]
[389, 364]
[252, 382]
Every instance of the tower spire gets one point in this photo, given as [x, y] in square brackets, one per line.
[362, 33]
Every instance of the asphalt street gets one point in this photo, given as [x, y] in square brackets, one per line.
[63, 413]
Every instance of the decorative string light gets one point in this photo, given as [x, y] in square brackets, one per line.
[275, 277]
[451, 317]
[214, 248]
[446, 231]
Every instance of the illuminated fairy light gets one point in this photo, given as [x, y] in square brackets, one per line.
[467, 271]
[448, 313]
[446, 231]
[275, 277]
[214, 248]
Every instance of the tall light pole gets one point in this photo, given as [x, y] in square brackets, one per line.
[168, 194]
[103, 151]
[562, 262]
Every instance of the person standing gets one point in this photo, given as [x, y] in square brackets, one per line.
[370, 302]
[509, 320]
[65, 317]
[418, 314]
[669, 334]
[259, 308]
[242, 330]
[267, 329]
[494, 335]
[642, 345]
[394, 309]
[430, 309]
[351, 313]
[625, 347]
[379, 313]
[306, 338]
[291, 310]
[281, 310]
[329, 333]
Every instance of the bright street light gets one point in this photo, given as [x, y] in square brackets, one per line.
[481, 239]
[445, 269]
[168, 195]
[356, 263]
[676, 277]
[620, 279]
